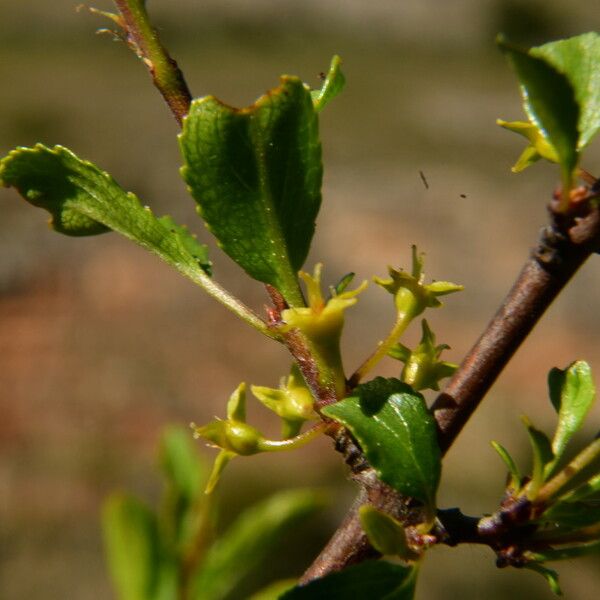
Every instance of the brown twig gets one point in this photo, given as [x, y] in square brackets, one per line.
[564, 246]
[166, 75]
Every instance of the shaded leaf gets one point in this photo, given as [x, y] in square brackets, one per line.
[587, 490]
[185, 474]
[181, 462]
[132, 547]
[386, 534]
[83, 200]
[246, 544]
[256, 175]
[398, 435]
[568, 552]
[376, 580]
[572, 393]
[573, 514]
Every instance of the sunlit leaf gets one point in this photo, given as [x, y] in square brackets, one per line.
[256, 176]
[572, 393]
[578, 58]
[398, 435]
[332, 85]
[83, 200]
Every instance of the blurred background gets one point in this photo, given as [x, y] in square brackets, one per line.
[101, 345]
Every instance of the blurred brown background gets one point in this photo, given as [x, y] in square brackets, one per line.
[101, 344]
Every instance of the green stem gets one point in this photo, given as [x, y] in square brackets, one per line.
[411, 309]
[557, 485]
[212, 288]
[295, 442]
[166, 75]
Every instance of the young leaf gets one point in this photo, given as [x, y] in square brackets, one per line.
[244, 546]
[567, 552]
[83, 200]
[515, 474]
[385, 533]
[542, 456]
[341, 285]
[378, 580]
[398, 435]
[334, 83]
[550, 575]
[132, 547]
[572, 393]
[539, 147]
[256, 175]
[550, 103]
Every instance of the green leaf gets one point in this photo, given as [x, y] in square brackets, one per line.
[572, 393]
[567, 552]
[185, 474]
[398, 435]
[550, 103]
[83, 200]
[587, 490]
[508, 460]
[539, 147]
[573, 514]
[181, 462]
[274, 590]
[132, 547]
[334, 83]
[549, 575]
[256, 175]
[578, 58]
[386, 534]
[246, 544]
[376, 580]
[542, 456]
